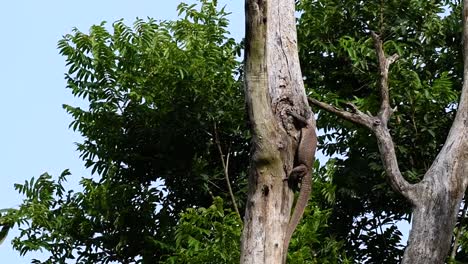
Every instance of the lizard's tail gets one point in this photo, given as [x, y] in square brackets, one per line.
[301, 204]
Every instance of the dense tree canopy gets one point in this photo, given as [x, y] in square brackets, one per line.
[164, 125]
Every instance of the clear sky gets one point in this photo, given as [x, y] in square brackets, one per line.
[34, 134]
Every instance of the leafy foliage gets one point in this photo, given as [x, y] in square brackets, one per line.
[210, 235]
[86, 224]
[154, 94]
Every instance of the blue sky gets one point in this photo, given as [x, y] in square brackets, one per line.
[34, 134]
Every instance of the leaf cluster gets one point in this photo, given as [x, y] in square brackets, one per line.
[207, 235]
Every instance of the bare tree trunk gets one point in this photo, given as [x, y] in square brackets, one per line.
[274, 87]
[436, 199]
[432, 227]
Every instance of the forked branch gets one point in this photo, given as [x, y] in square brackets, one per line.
[378, 123]
[384, 65]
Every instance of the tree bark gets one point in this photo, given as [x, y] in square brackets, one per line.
[436, 199]
[432, 227]
[273, 86]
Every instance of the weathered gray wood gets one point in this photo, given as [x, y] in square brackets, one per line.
[274, 86]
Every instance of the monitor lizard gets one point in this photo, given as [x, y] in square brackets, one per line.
[303, 165]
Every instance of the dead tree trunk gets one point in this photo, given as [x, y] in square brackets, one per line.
[274, 88]
[436, 199]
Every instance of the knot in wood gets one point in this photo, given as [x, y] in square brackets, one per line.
[265, 190]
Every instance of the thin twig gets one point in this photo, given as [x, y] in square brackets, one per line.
[225, 168]
[215, 185]
[381, 231]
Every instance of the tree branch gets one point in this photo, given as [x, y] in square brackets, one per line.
[390, 162]
[462, 111]
[225, 168]
[355, 116]
[384, 65]
[378, 124]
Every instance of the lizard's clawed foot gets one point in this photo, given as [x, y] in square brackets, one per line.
[302, 120]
